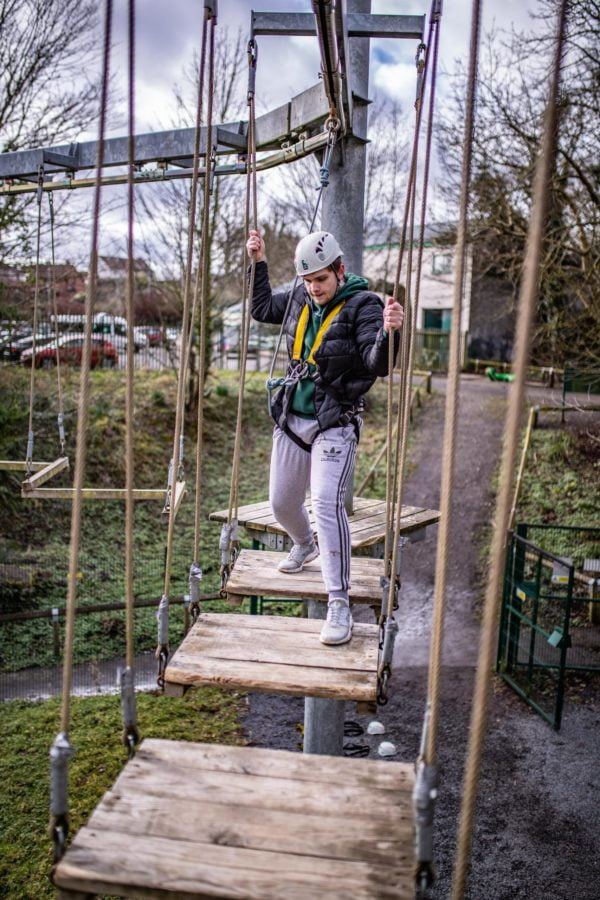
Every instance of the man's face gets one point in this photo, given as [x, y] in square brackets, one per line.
[322, 285]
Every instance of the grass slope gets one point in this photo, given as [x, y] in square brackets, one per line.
[27, 730]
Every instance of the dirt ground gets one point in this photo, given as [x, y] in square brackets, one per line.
[538, 815]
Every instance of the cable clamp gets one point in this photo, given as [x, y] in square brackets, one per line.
[252, 57]
[162, 655]
[194, 583]
[424, 797]
[60, 757]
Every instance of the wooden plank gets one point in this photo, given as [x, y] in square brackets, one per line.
[325, 835]
[151, 776]
[165, 869]
[259, 517]
[344, 657]
[200, 820]
[292, 624]
[369, 774]
[261, 646]
[255, 574]
[46, 493]
[21, 465]
[298, 681]
[49, 471]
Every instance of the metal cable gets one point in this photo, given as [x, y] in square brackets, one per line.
[248, 282]
[36, 293]
[131, 735]
[129, 313]
[395, 473]
[61, 408]
[196, 572]
[162, 614]
[527, 300]
[61, 750]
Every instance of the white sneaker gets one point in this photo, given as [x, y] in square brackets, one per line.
[338, 625]
[299, 555]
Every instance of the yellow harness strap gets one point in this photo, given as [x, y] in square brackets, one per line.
[301, 331]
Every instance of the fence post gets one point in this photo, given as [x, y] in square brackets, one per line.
[594, 604]
[55, 631]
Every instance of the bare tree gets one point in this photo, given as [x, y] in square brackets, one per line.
[512, 93]
[46, 49]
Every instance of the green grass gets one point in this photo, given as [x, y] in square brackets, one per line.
[27, 731]
[35, 534]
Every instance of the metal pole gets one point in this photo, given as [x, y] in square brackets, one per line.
[343, 215]
[323, 719]
[343, 210]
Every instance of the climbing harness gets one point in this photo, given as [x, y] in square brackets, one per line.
[294, 372]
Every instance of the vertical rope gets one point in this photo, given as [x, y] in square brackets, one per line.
[61, 407]
[395, 473]
[82, 411]
[204, 282]
[248, 282]
[128, 704]
[61, 750]
[527, 300]
[452, 397]
[36, 292]
[130, 312]
[177, 432]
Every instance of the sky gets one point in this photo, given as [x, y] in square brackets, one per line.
[286, 66]
[165, 44]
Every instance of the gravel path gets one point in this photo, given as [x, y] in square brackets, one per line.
[538, 814]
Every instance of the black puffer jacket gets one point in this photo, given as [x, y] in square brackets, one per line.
[354, 350]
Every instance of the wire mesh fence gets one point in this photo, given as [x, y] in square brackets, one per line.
[550, 623]
[32, 621]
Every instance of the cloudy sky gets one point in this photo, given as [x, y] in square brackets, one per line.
[168, 33]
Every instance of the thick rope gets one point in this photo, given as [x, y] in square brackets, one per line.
[248, 282]
[61, 405]
[128, 704]
[36, 294]
[129, 312]
[527, 301]
[61, 750]
[204, 285]
[82, 411]
[397, 455]
[162, 615]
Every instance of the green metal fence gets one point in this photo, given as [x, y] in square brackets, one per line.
[550, 621]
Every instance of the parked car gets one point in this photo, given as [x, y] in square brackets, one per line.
[12, 348]
[70, 352]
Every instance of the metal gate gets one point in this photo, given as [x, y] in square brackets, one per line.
[550, 621]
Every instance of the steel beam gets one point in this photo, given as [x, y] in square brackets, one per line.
[359, 25]
[303, 112]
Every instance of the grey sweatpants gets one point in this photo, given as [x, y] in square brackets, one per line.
[325, 470]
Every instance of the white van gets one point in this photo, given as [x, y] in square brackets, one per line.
[114, 329]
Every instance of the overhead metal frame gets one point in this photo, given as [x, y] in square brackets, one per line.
[290, 131]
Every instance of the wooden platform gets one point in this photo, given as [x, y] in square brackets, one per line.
[367, 522]
[255, 574]
[197, 820]
[275, 654]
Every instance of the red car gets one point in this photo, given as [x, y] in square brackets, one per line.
[70, 351]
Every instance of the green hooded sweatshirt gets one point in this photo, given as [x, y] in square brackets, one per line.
[303, 399]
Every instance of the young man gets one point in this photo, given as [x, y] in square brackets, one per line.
[337, 337]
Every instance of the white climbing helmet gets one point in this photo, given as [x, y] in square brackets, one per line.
[316, 251]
